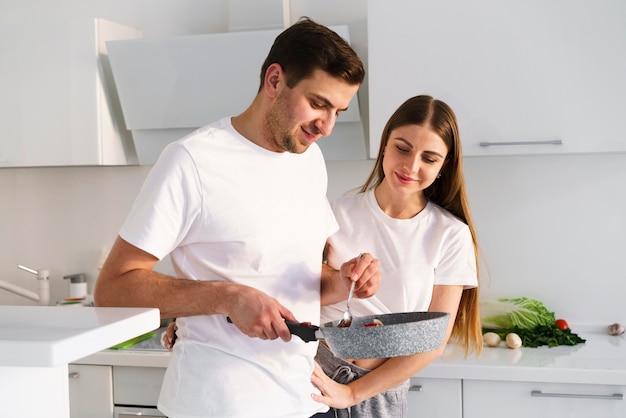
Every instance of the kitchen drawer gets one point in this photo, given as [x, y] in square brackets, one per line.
[531, 399]
[435, 398]
[137, 386]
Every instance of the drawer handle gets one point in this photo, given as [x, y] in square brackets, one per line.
[540, 394]
[415, 388]
[73, 375]
[547, 142]
[136, 414]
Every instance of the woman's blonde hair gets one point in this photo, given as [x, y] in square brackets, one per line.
[448, 191]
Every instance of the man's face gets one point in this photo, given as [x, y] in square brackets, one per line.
[303, 114]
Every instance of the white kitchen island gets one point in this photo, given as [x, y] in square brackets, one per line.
[38, 342]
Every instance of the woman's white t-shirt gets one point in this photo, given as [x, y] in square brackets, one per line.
[432, 248]
[226, 209]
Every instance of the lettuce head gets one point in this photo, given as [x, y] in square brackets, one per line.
[524, 313]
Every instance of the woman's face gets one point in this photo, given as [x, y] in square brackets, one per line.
[414, 156]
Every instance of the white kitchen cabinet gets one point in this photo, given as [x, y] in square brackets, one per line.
[137, 386]
[519, 75]
[542, 400]
[91, 391]
[167, 89]
[58, 106]
[435, 398]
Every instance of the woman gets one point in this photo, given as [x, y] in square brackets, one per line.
[412, 214]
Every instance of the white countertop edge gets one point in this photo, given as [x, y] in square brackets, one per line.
[49, 336]
[593, 363]
[97, 339]
[523, 374]
[161, 359]
[130, 358]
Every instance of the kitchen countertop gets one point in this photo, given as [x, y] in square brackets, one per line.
[149, 353]
[601, 360]
[38, 342]
[49, 336]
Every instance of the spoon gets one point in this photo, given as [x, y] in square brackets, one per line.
[347, 315]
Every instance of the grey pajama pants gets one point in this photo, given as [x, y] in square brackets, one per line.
[389, 404]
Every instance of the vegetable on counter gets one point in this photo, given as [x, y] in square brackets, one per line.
[533, 323]
[513, 340]
[515, 313]
[616, 329]
[134, 341]
[491, 339]
[561, 324]
[548, 335]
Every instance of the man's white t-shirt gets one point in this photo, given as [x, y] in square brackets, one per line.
[226, 209]
[432, 248]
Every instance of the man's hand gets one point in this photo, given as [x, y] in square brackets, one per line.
[257, 314]
[252, 311]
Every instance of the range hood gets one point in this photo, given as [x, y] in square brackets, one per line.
[170, 87]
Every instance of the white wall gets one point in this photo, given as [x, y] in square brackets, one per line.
[551, 227]
[60, 219]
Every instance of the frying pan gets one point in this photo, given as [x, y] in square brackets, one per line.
[401, 334]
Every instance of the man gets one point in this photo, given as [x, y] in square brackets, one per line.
[240, 206]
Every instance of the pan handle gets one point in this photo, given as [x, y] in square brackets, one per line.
[305, 331]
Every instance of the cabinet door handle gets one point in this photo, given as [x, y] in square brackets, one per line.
[136, 414]
[73, 375]
[546, 142]
[613, 397]
[415, 388]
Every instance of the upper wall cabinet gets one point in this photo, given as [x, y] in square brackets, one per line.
[56, 105]
[169, 87]
[523, 77]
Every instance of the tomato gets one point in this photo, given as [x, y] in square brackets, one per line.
[561, 324]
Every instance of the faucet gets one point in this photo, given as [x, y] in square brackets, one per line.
[43, 294]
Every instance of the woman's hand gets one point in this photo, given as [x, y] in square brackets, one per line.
[365, 271]
[169, 336]
[333, 394]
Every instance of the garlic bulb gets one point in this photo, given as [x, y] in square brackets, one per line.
[616, 329]
[513, 340]
[491, 339]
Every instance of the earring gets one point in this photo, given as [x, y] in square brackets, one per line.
[439, 175]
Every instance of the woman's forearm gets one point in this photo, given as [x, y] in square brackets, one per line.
[389, 374]
[331, 290]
